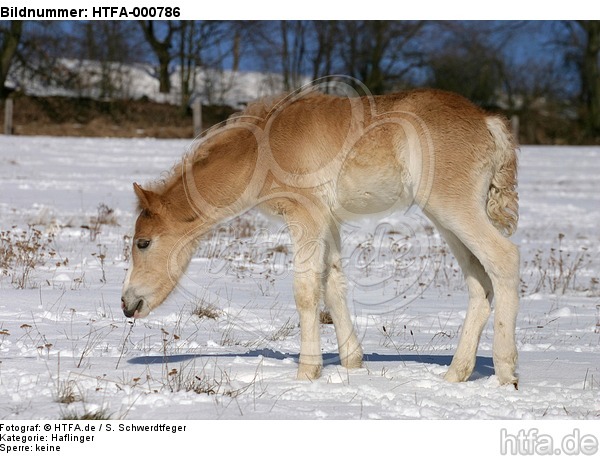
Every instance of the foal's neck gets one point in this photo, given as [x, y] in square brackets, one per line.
[216, 182]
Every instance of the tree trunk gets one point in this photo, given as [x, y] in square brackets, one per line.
[7, 52]
[285, 64]
[236, 51]
[590, 77]
[163, 76]
[184, 66]
[162, 50]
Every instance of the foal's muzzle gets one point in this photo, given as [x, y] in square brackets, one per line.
[132, 310]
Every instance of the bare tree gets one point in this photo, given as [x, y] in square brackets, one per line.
[110, 45]
[189, 60]
[469, 60]
[475, 73]
[326, 40]
[39, 55]
[162, 48]
[9, 41]
[380, 53]
[281, 47]
[203, 45]
[579, 44]
[293, 52]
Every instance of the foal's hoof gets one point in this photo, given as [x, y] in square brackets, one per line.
[308, 372]
[506, 374]
[353, 361]
[455, 375]
[509, 380]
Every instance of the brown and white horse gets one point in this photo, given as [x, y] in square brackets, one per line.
[317, 160]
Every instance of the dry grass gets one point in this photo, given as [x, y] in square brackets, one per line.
[105, 216]
[286, 330]
[205, 310]
[21, 251]
[67, 393]
[101, 414]
[67, 116]
[556, 269]
[186, 379]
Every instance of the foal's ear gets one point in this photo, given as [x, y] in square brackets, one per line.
[149, 200]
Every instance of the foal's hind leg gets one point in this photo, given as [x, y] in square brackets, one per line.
[351, 353]
[478, 311]
[500, 259]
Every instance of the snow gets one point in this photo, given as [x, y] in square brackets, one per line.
[65, 347]
[134, 81]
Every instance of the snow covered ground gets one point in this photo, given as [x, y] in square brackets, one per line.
[225, 344]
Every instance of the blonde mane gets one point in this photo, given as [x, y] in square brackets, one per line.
[256, 113]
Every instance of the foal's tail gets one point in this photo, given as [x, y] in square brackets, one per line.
[502, 199]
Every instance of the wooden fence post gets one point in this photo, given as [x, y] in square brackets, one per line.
[514, 125]
[8, 116]
[197, 114]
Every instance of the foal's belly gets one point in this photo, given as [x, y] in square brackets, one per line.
[372, 182]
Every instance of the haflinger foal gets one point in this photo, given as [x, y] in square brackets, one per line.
[317, 160]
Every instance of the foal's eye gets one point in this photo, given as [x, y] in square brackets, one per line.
[143, 244]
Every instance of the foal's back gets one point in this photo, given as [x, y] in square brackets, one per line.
[372, 155]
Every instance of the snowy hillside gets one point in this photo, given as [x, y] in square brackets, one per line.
[89, 79]
[225, 344]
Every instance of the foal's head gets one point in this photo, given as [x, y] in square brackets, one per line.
[162, 247]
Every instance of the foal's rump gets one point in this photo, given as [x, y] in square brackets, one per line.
[428, 147]
[467, 158]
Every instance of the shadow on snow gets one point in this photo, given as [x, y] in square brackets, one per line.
[483, 366]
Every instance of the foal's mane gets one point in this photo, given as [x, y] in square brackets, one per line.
[256, 113]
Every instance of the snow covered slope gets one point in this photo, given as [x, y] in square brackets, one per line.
[88, 79]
